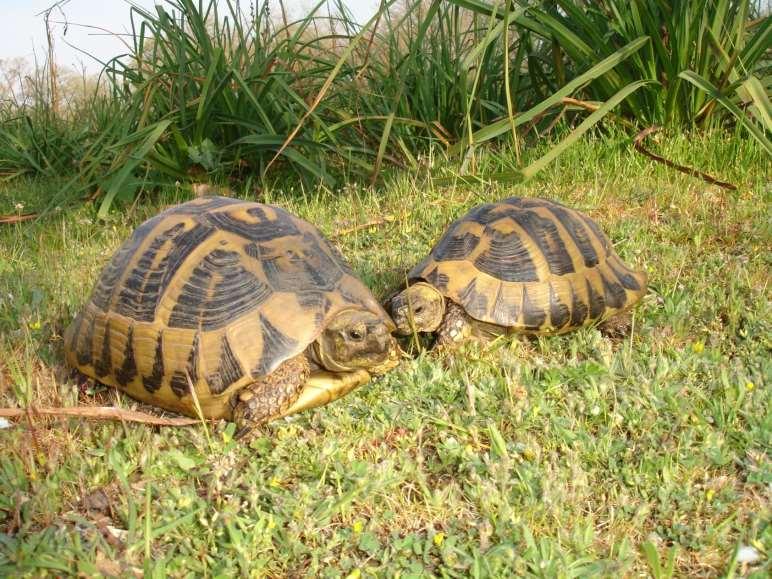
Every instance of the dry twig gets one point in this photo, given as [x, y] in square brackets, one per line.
[366, 225]
[637, 142]
[99, 413]
[16, 218]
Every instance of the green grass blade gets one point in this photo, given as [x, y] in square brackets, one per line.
[759, 43]
[585, 126]
[652, 558]
[743, 119]
[491, 36]
[501, 126]
[479, 7]
[382, 147]
[760, 99]
[313, 168]
[135, 158]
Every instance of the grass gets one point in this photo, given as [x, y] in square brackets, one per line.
[565, 456]
[215, 90]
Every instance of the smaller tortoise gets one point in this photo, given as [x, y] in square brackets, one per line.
[245, 302]
[528, 266]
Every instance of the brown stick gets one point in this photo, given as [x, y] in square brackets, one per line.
[11, 219]
[637, 143]
[100, 413]
[584, 104]
[592, 107]
[371, 223]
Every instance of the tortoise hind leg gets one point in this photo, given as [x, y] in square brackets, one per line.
[266, 399]
[618, 326]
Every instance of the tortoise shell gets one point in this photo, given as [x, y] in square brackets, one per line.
[217, 290]
[532, 265]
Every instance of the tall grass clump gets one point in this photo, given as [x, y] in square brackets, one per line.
[230, 93]
[694, 44]
[208, 91]
[41, 136]
[216, 93]
[705, 65]
[430, 68]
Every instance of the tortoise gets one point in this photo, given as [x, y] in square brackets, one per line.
[245, 302]
[522, 265]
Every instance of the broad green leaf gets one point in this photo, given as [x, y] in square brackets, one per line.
[501, 126]
[760, 99]
[743, 119]
[652, 558]
[585, 126]
[184, 462]
[135, 158]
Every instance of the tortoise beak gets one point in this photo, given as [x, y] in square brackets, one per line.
[404, 321]
[391, 362]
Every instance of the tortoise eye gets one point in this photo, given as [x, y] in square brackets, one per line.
[418, 310]
[355, 335]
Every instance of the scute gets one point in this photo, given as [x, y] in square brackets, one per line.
[218, 290]
[200, 294]
[532, 265]
[507, 258]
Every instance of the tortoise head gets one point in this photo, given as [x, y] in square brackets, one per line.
[420, 307]
[357, 339]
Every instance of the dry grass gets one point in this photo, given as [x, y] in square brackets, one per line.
[552, 457]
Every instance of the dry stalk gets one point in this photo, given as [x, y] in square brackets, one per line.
[98, 413]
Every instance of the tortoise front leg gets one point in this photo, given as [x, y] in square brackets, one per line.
[266, 399]
[455, 328]
[458, 326]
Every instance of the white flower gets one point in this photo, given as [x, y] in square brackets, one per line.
[748, 554]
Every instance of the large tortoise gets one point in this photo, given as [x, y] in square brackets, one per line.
[528, 266]
[246, 302]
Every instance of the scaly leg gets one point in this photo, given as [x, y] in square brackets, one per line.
[455, 328]
[617, 327]
[266, 399]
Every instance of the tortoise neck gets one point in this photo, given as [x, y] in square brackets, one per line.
[324, 362]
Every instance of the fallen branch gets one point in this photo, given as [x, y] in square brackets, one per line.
[592, 107]
[17, 218]
[368, 224]
[637, 143]
[99, 413]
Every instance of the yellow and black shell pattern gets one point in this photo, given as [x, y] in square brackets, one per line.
[531, 265]
[217, 291]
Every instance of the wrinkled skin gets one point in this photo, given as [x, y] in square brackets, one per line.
[354, 340]
[419, 308]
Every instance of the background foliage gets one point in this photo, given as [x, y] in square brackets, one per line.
[210, 92]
